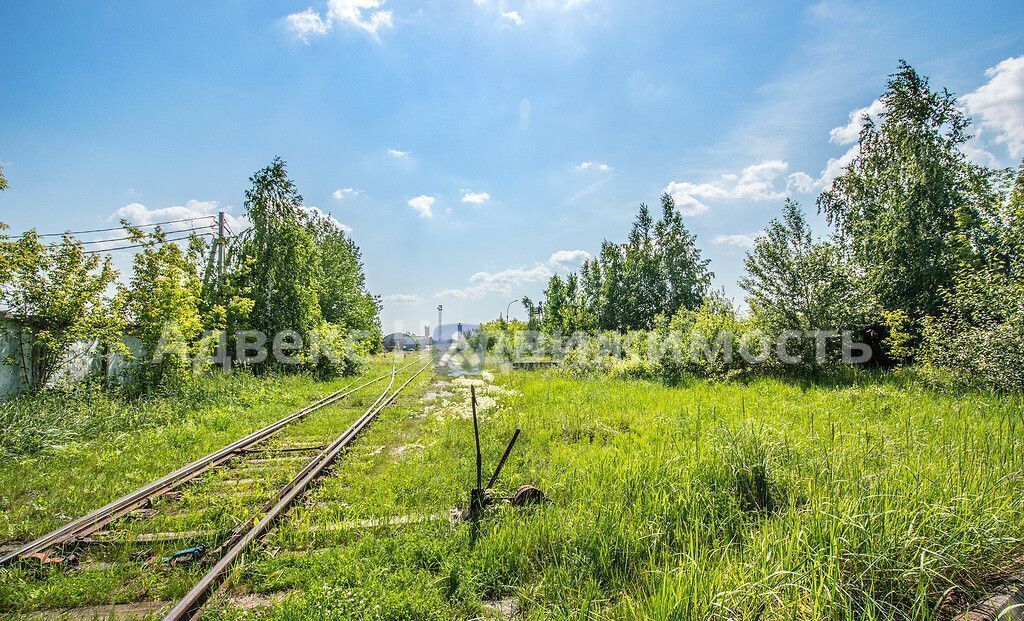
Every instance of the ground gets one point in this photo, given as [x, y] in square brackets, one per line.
[875, 498]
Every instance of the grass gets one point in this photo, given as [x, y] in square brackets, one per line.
[215, 503]
[64, 454]
[768, 500]
[874, 499]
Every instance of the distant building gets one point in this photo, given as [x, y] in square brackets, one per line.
[404, 341]
[444, 335]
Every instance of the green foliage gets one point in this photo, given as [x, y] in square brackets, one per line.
[161, 304]
[705, 342]
[935, 240]
[344, 299]
[979, 336]
[294, 270]
[56, 293]
[796, 283]
[900, 202]
[708, 342]
[278, 259]
[504, 339]
[657, 272]
[333, 353]
[3, 180]
[901, 341]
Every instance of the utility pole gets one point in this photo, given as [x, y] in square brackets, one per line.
[220, 247]
[439, 308]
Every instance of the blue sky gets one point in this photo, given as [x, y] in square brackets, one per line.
[474, 147]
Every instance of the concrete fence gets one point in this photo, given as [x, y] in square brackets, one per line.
[83, 358]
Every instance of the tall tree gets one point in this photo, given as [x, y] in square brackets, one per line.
[296, 269]
[556, 304]
[3, 180]
[613, 291]
[279, 255]
[645, 283]
[656, 272]
[161, 303]
[344, 299]
[796, 283]
[686, 276]
[898, 204]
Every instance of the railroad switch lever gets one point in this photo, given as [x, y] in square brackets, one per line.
[481, 497]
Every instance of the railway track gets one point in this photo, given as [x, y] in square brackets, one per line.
[245, 535]
[86, 529]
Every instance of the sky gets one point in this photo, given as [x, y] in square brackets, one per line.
[474, 148]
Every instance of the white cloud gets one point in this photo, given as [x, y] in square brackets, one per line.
[343, 193]
[199, 216]
[513, 17]
[844, 134]
[835, 167]
[504, 282]
[564, 258]
[975, 151]
[307, 23]
[462, 294]
[404, 298]
[351, 12]
[537, 11]
[486, 283]
[800, 181]
[593, 166]
[755, 182]
[512, 276]
[476, 198]
[201, 211]
[398, 154]
[347, 12]
[320, 213]
[740, 240]
[1000, 104]
[524, 113]
[850, 133]
[423, 204]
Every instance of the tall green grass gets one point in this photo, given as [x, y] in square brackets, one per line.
[66, 453]
[101, 465]
[870, 499]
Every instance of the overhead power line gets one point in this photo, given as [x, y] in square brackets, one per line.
[114, 239]
[141, 245]
[121, 228]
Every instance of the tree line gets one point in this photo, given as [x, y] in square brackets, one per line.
[293, 272]
[925, 257]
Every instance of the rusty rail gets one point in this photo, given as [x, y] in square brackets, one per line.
[245, 535]
[89, 523]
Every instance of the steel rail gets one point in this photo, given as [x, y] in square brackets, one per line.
[243, 537]
[86, 524]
